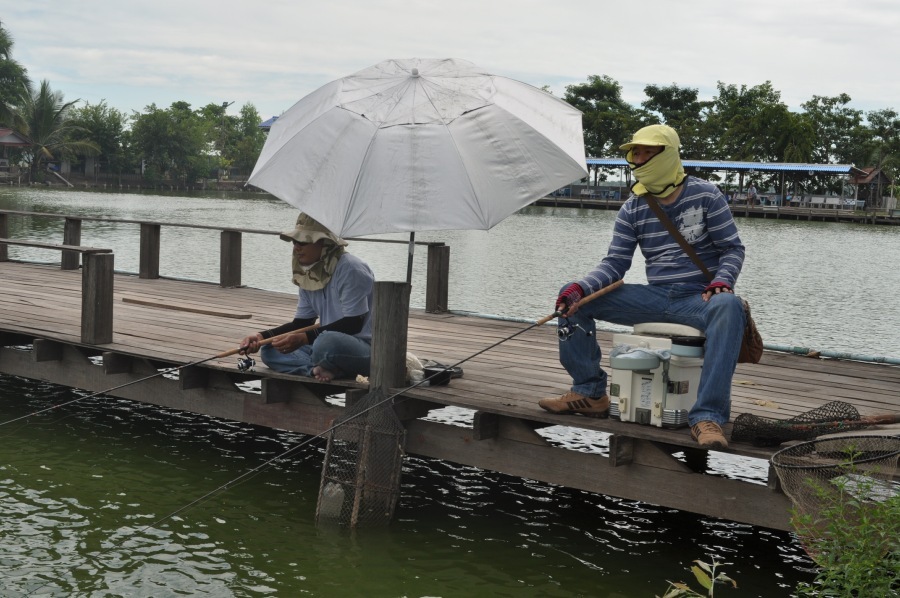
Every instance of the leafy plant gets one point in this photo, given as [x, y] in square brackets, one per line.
[706, 576]
[854, 535]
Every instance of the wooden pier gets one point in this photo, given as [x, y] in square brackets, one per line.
[157, 323]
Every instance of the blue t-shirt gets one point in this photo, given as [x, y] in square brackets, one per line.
[349, 293]
[703, 218]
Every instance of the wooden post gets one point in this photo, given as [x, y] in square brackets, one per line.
[71, 236]
[230, 259]
[437, 281]
[149, 259]
[97, 299]
[4, 234]
[390, 330]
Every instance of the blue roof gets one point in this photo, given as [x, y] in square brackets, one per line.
[749, 166]
[267, 124]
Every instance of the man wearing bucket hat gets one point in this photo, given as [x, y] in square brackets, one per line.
[336, 288]
[678, 291]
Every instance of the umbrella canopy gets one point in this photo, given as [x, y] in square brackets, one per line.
[420, 144]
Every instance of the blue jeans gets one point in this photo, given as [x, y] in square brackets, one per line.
[721, 319]
[343, 355]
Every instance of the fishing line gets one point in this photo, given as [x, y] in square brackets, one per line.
[268, 463]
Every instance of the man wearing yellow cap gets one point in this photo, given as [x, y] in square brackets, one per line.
[678, 291]
[336, 288]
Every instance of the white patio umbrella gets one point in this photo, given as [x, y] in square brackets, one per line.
[420, 144]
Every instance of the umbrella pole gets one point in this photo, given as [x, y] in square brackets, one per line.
[409, 262]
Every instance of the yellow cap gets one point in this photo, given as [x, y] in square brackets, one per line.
[654, 135]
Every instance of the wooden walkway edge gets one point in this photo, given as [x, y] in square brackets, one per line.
[162, 323]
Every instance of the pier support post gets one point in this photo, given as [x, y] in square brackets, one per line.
[4, 234]
[71, 236]
[390, 332]
[149, 258]
[437, 282]
[230, 259]
[97, 299]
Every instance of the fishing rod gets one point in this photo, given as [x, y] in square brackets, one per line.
[244, 364]
[262, 466]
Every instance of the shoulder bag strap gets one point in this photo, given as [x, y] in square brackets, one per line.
[670, 226]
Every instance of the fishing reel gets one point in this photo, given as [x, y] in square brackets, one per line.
[245, 363]
[567, 329]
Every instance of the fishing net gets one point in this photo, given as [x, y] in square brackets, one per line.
[843, 480]
[361, 473]
[835, 416]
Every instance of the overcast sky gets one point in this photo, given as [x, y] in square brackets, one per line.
[272, 53]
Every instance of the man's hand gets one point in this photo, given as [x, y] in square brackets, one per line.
[287, 343]
[567, 302]
[250, 344]
[714, 289]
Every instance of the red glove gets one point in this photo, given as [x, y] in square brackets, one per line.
[711, 287]
[570, 295]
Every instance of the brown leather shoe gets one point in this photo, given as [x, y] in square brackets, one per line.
[709, 435]
[572, 402]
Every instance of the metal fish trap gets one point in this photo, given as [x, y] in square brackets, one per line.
[361, 474]
[850, 475]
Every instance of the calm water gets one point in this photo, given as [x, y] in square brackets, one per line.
[87, 490]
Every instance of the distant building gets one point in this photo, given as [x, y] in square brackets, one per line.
[267, 124]
[875, 188]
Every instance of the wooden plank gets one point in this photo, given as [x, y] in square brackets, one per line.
[188, 308]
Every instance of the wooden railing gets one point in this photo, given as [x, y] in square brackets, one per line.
[96, 285]
[437, 274]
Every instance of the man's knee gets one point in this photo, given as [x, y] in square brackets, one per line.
[726, 305]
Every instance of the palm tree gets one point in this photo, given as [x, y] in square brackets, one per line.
[48, 127]
[15, 85]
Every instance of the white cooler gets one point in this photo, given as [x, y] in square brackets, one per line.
[649, 390]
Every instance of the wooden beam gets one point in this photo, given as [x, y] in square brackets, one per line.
[390, 329]
[148, 266]
[116, 363]
[4, 233]
[230, 259]
[276, 391]
[437, 281]
[97, 299]
[193, 377]
[485, 425]
[44, 350]
[71, 236]
[708, 495]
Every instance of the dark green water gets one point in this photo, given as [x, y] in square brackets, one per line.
[100, 498]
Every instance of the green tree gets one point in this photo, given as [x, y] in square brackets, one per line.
[745, 119]
[47, 125]
[837, 127]
[104, 126]
[680, 108]
[608, 120]
[172, 143]
[249, 139]
[15, 86]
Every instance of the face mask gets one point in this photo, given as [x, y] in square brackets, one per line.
[316, 276]
[659, 175]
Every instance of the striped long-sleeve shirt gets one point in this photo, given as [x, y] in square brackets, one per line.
[700, 214]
